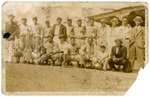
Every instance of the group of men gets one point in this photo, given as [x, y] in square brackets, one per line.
[106, 47]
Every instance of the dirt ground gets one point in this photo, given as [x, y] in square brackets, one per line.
[27, 78]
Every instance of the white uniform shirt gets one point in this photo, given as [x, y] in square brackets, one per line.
[102, 55]
[37, 30]
[64, 47]
[25, 30]
[70, 30]
[91, 31]
[124, 31]
[79, 31]
[57, 28]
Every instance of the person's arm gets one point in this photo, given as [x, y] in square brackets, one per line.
[143, 36]
[124, 56]
[132, 37]
[72, 32]
[64, 31]
[82, 50]
[107, 55]
[112, 55]
[56, 48]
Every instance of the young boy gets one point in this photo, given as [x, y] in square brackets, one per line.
[102, 57]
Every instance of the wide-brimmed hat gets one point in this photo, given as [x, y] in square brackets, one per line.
[120, 40]
[138, 18]
[103, 20]
[115, 20]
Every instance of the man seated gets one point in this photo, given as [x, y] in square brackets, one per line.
[87, 53]
[64, 47]
[118, 56]
[19, 49]
[101, 59]
[73, 53]
[52, 53]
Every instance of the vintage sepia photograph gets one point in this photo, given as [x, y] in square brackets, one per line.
[73, 48]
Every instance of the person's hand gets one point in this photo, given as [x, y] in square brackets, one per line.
[114, 59]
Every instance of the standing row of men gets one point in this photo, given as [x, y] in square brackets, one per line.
[81, 43]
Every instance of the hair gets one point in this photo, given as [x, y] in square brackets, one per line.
[47, 21]
[79, 20]
[72, 38]
[69, 20]
[24, 19]
[59, 18]
[102, 46]
[34, 18]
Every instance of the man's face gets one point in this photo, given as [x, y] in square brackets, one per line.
[124, 22]
[50, 39]
[137, 23]
[79, 23]
[103, 24]
[59, 21]
[35, 21]
[24, 22]
[69, 22]
[72, 41]
[47, 23]
[91, 22]
[90, 41]
[11, 18]
[118, 43]
[102, 49]
[62, 39]
[114, 23]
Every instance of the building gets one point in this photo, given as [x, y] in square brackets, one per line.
[130, 12]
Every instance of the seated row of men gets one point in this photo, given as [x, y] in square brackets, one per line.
[70, 54]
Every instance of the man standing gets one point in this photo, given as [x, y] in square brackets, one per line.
[36, 28]
[13, 29]
[124, 33]
[118, 56]
[59, 29]
[137, 43]
[25, 30]
[80, 33]
[103, 34]
[47, 30]
[114, 32]
[70, 29]
[91, 30]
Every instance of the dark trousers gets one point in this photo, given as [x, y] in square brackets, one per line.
[122, 62]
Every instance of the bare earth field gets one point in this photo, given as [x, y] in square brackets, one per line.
[27, 78]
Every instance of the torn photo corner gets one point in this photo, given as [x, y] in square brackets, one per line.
[73, 48]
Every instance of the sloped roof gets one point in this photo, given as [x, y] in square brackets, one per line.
[109, 14]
